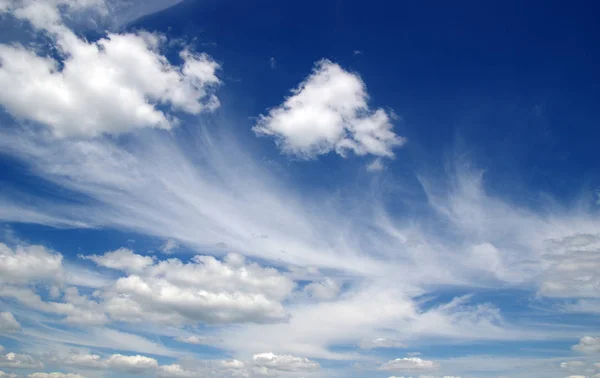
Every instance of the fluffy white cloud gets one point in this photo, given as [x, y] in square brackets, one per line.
[174, 371]
[588, 345]
[328, 111]
[409, 364]
[76, 308]
[131, 364]
[29, 263]
[273, 361]
[121, 259]
[8, 323]
[264, 364]
[112, 85]
[208, 369]
[84, 361]
[18, 361]
[3, 374]
[202, 290]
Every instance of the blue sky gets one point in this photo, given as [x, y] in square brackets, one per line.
[299, 189]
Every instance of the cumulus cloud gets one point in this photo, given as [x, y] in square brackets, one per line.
[284, 362]
[28, 263]
[209, 369]
[113, 85]
[131, 364]
[409, 364]
[18, 361]
[85, 361]
[328, 111]
[202, 290]
[8, 323]
[77, 309]
[588, 345]
[121, 259]
[263, 364]
[170, 291]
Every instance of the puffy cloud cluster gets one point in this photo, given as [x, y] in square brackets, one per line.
[265, 364]
[328, 111]
[116, 84]
[273, 361]
[121, 259]
[170, 291]
[76, 308]
[202, 290]
[129, 364]
[28, 263]
[18, 361]
[588, 345]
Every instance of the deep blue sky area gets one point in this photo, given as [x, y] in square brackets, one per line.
[514, 83]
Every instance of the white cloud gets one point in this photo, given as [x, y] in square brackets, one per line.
[77, 309]
[198, 340]
[409, 364]
[121, 259]
[132, 364]
[8, 323]
[264, 364]
[208, 369]
[326, 289]
[572, 365]
[284, 362]
[573, 265]
[376, 166]
[113, 85]
[169, 247]
[588, 345]
[328, 111]
[84, 361]
[18, 361]
[29, 263]
[3, 374]
[174, 371]
[381, 342]
[202, 290]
